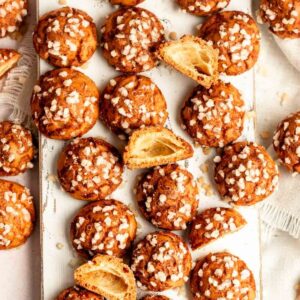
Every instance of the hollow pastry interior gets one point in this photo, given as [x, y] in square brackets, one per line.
[155, 146]
[193, 57]
[107, 276]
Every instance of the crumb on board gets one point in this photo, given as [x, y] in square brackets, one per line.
[173, 35]
[200, 180]
[62, 2]
[52, 178]
[59, 246]
[283, 97]
[204, 167]
[265, 134]
[205, 186]
[208, 190]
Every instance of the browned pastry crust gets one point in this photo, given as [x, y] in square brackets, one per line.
[65, 104]
[161, 261]
[236, 36]
[12, 14]
[245, 173]
[16, 149]
[214, 117]
[17, 214]
[78, 293]
[129, 39]
[286, 142]
[222, 276]
[126, 2]
[167, 197]
[8, 59]
[193, 57]
[282, 17]
[90, 168]
[107, 276]
[213, 223]
[65, 37]
[155, 297]
[203, 7]
[155, 146]
[103, 227]
[132, 102]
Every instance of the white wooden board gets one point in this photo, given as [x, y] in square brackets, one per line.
[58, 208]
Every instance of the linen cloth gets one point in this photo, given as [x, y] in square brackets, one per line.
[278, 91]
[282, 209]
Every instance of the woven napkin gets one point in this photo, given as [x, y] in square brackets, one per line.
[16, 87]
[282, 209]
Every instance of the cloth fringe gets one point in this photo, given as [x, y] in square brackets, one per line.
[17, 86]
[276, 217]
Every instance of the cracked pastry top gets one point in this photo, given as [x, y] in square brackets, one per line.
[161, 261]
[167, 197]
[154, 146]
[286, 142]
[16, 149]
[214, 223]
[245, 173]
[126, 2]
[131, 102]
[203, 7]
[90, 168]
[17, 214]
[12, 15]
[193, 57]
[236, 36]
[78, 293]
[8, 59]
[282, 17]
[130, 37]
[214, 117]
[103, 227]
[65, 104]
[108, 276]
[222, 276]
[65, 37]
